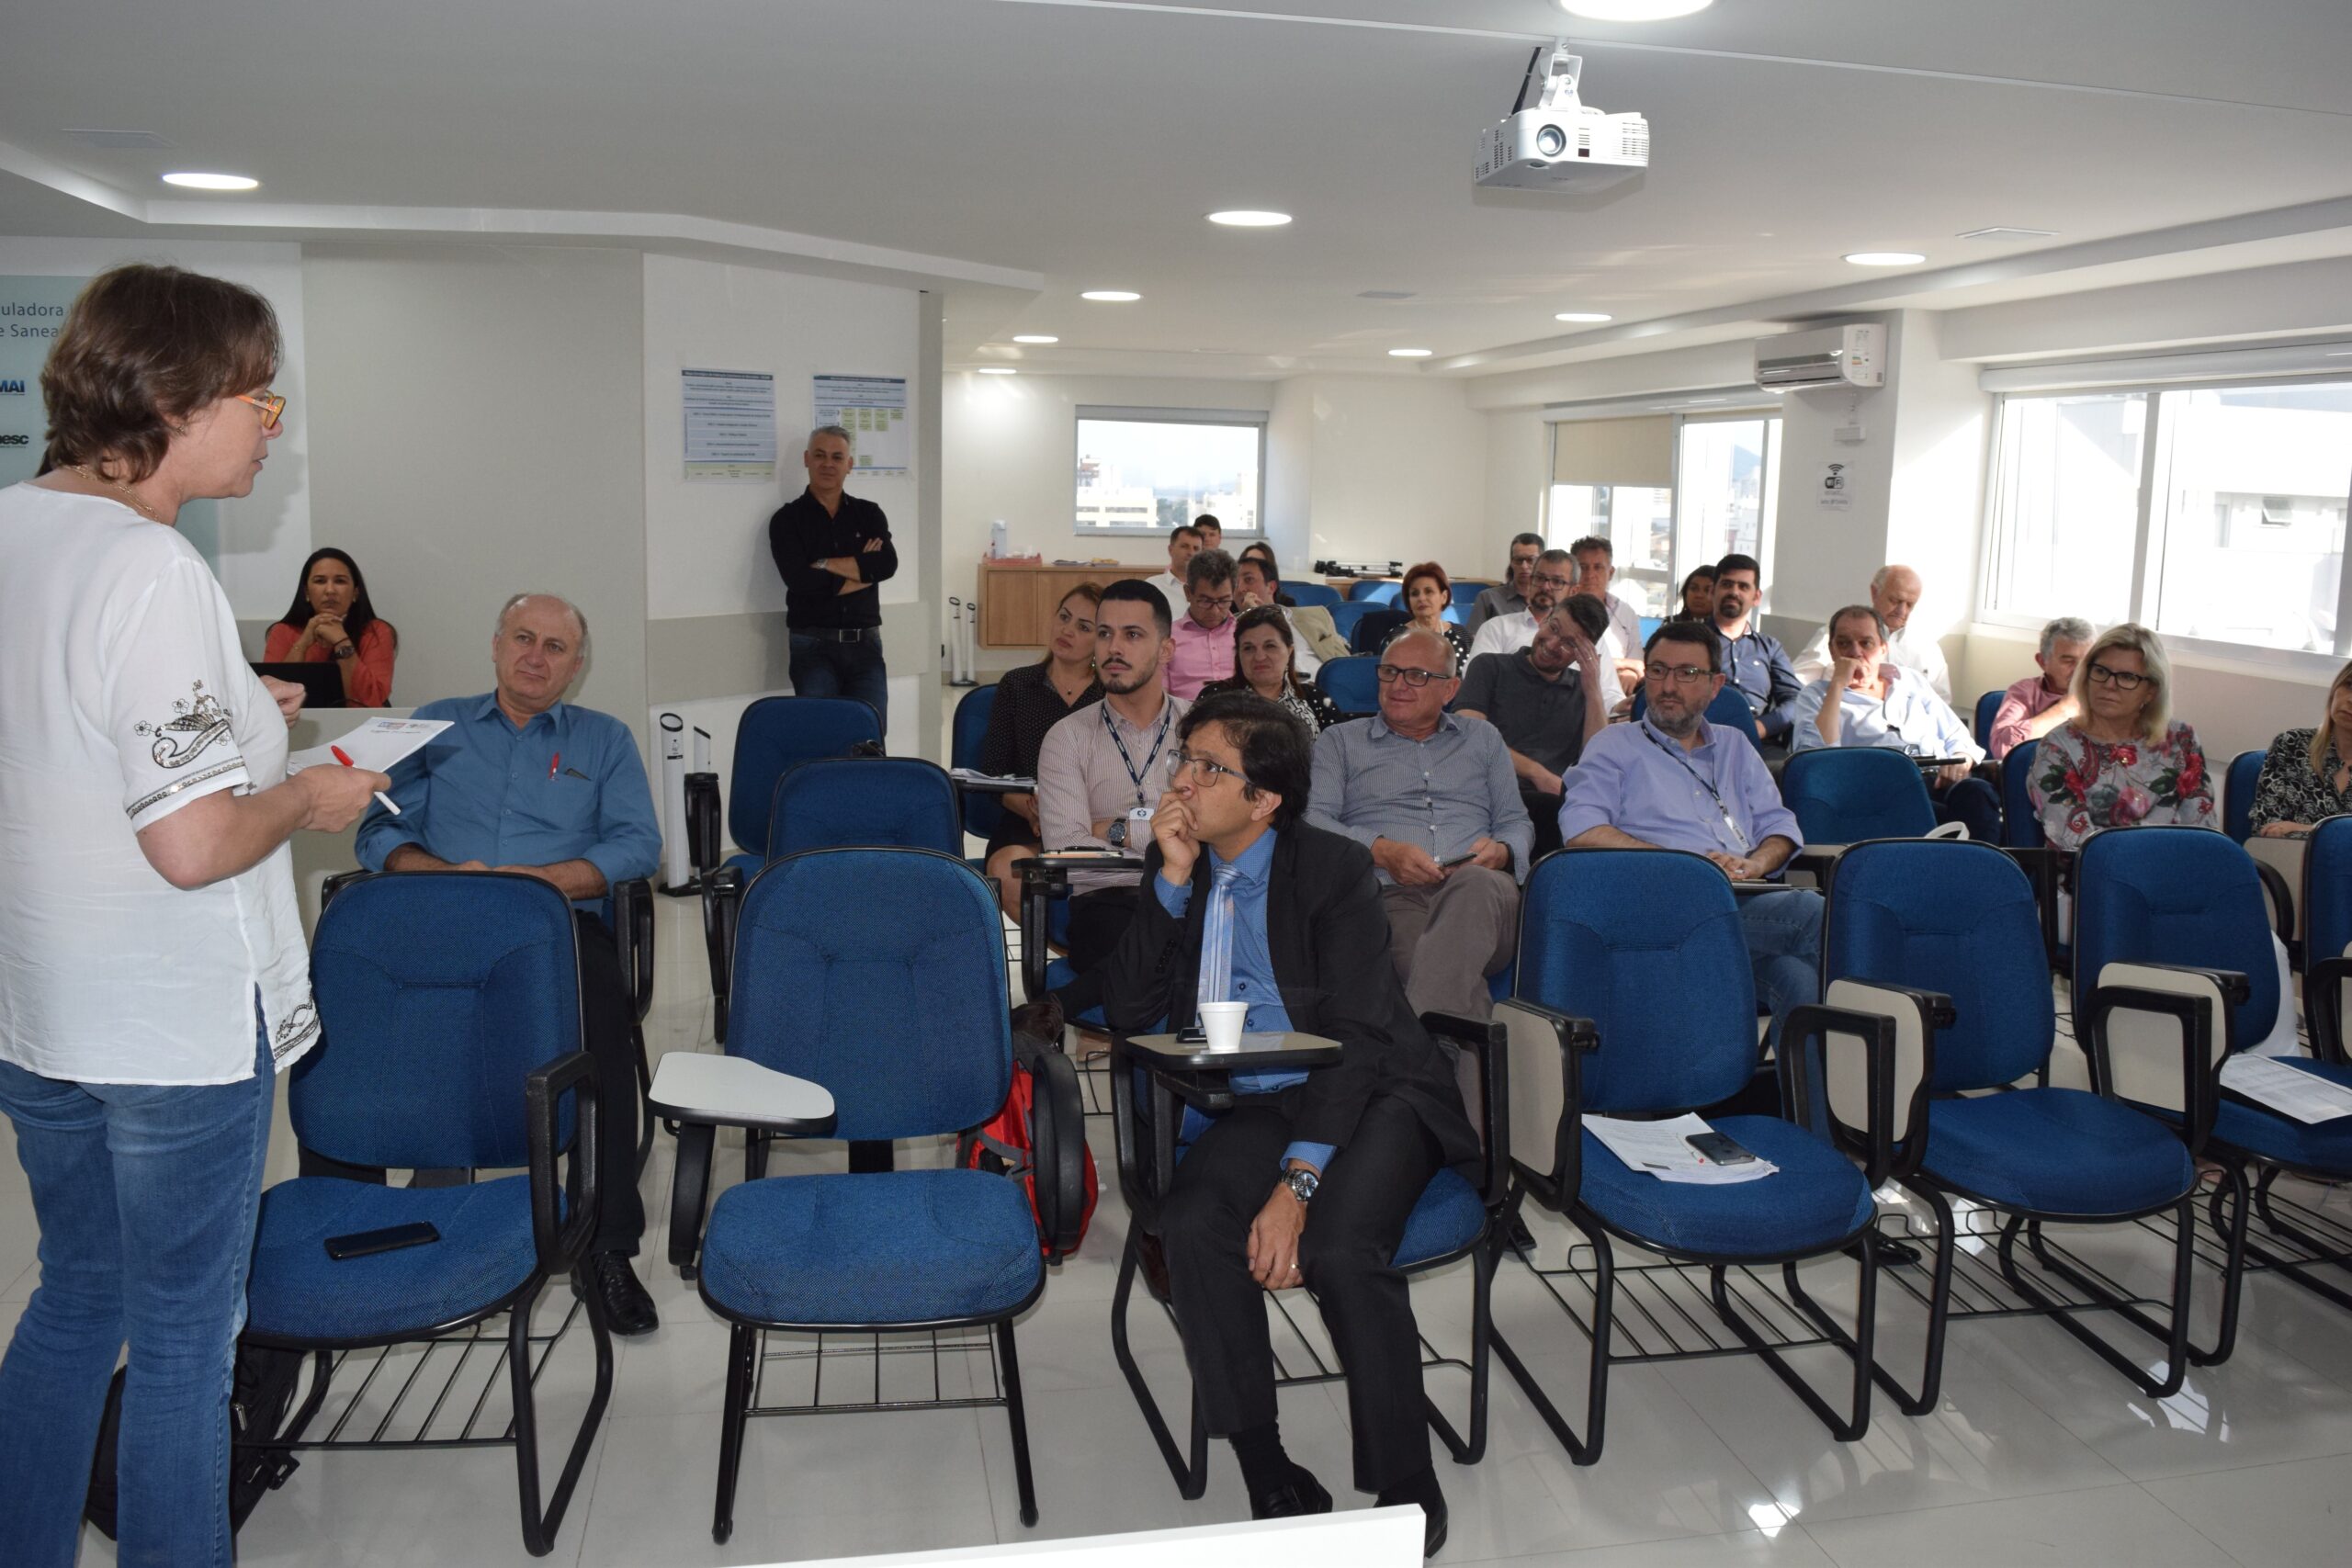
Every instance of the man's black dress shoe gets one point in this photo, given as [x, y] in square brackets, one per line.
[1422, 1490]
[1301, 1495]
[629, 1311]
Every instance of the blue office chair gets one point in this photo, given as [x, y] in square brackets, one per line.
[1636, 999]
[1375, 591]
[1345, 615]
[1454, 1218]
[1943, 939]
[451, 1010]
[1352, 683]
[1846, 794]
[1372, 632]
[1649, 624]
[880, 975]
[1316, 594]
[2021, 824]
[1465, 595]
[867, 803]
[2237, 796]
[2187, 902]
[1988, 708]
[981, 812]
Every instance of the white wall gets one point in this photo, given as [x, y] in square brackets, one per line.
[263, 537]
[1395, 469]
[706, 543]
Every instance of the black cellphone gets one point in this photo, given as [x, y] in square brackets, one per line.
[1718, 1149]
[1192, 1036]
[391, 1238]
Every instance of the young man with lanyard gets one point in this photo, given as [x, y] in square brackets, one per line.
[1671, 780]
[1102, 769]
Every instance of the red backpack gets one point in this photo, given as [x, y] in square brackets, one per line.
[1045, 1115]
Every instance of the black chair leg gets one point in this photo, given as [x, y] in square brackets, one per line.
[1017, 1414]
[645, 1117]
[539, 1527]
[2234, 1237]
[2173, 1334]
[1585, 1449]
[2296, 1269]
[742, 1350]
[1190, 1470]
[1856, 1346]
[1932, 1380]
[1470, 1446]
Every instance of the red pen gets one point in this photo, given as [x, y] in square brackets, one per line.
[551, 765]
[344, 758]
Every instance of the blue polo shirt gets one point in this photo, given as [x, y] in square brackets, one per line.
[567, 786]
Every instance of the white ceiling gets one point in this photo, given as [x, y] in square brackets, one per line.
[1016, 151]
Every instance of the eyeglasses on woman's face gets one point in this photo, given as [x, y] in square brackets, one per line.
[272, 406]
[1209, 772]
[2121, 679]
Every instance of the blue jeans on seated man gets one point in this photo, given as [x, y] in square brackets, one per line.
[824, 667]
[1784, 931]
[147, 1196]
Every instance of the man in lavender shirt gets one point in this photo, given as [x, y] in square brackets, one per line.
[1670, 779]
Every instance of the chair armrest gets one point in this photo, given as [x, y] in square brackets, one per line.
[2129, 1061]
[722, 901]
[2281, 900]
[1874, 1048]
[695, 1089]
[1044, 878]
[2323, 985]
[337, 883]
[562, 1242]
[633, 936]
[1544, 1053]
[1485, 1052]
[2050, 870]
[1816, 860]
[702, 822]
[1056, 1147]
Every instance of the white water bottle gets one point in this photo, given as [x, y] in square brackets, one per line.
[1000, 545]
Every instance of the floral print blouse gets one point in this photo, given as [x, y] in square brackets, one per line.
[2289, 791]
[2080, 785]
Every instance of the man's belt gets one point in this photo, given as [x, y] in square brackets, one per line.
[839, 634]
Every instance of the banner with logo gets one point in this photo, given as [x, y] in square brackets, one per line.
[31, 310]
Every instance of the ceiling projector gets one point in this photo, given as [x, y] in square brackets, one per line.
[1556, 142]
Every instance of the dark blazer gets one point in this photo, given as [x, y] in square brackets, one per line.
[1326, 932]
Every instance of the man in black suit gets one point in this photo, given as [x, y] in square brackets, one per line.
[1247, 902]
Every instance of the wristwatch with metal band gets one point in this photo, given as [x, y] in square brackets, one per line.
[1302, 1184]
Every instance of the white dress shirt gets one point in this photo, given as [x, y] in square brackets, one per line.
[1921, 654]
[1909, 718]
[1508, 634]
[1171, 588]
[124, 697]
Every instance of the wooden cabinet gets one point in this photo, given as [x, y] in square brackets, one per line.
[1016, 598]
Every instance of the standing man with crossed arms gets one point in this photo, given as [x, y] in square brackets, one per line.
[830, 548]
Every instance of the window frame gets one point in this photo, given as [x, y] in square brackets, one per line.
[1255, 419]
[1772, 414]
[2156, 473]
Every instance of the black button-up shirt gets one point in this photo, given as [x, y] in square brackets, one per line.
[801, 532]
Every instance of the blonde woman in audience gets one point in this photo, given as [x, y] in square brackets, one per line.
[1426, 594]
[2123, 762]
[2307, 776]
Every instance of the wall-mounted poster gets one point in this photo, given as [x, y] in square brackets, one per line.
[730, 425]
[872, 409]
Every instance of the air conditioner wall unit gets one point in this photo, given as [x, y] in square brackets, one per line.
[1853, 355]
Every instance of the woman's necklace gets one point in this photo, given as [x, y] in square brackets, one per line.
[1069, 689]
[128, 493]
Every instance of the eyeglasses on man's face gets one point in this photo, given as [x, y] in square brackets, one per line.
[272, 406]
[1680, 674]
[2121, 679]
[1553, 579]
[1389, 674]
[1209, 772]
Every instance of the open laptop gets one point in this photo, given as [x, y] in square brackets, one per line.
[322, 684]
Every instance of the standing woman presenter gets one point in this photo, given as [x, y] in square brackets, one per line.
[152, 975]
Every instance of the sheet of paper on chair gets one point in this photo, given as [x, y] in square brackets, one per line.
[974, 775]
[2286, 1088]
[375, 745]
[1663, 1149]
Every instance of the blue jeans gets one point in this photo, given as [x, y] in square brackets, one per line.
[824, 667]
[147, 1198]
[1784, 931]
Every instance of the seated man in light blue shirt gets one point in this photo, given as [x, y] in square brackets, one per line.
[1670, 779]
[1881, 703]
[524, 782]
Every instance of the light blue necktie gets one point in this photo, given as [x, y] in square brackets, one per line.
[1216, 937]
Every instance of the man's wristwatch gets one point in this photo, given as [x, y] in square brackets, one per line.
[1302, 1184]
[1116, 837]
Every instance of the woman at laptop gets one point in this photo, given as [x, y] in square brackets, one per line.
[332, 618]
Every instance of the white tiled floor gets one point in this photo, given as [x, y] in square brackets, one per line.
[2037, 1454]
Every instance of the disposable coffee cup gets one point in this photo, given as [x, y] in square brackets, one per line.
[1221, 1021]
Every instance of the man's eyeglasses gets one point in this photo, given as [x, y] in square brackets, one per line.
[2121, 679]
[1680, 674]
[272, 406]
[1224, 604]
[1551, 579]
[1210, 771]
[1389, 674]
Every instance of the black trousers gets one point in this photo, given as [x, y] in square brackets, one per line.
[612, 1050]
[1097, 920]
[1345, 1256]
[1544, 810]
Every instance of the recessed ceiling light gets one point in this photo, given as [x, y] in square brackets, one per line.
[1886, 258]
[1035, 337]
[1632, 10]
[1582, 316]
[194, 181]
[1410, 353]
[1246, 217]
[1110, 296]
[998, 370]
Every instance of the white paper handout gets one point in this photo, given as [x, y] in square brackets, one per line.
[975, 776]
[1663, 1149]
[2276, 1083]
[375, 745]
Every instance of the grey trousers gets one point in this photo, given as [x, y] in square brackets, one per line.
[1447, 938]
